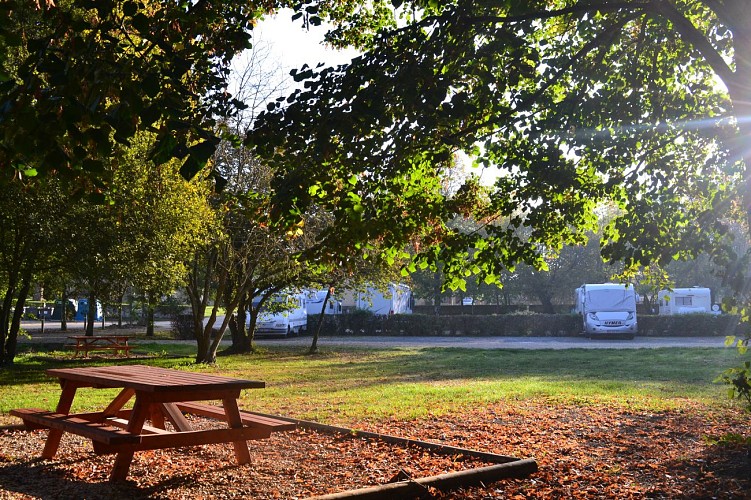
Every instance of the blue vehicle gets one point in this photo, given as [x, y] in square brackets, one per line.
[83, 310]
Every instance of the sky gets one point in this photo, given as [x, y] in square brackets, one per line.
[294, 46]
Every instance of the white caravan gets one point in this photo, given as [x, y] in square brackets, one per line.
[288, 316]
[685, 300]
[398, 300]
[314, 303]
[607, 309]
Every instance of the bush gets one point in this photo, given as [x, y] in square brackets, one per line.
[366, 323]
[182, 326]
[519, 325]
[692, 325]
[168, 308]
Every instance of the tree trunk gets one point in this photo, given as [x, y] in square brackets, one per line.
[150, 316]
[64, 311]
[11, 342]
[740, 93]
[234, 333]
[316, 333]
[238, 328]
[740, 96]
[240, 341]
[437, 294]
[547, 303]
[202, 341]
[251, 329]
[120, 311]
[5, 322]
[91, 314]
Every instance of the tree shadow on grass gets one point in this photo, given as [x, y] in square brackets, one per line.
[638, 366]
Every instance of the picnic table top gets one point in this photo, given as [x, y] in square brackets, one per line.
[108, 336]
[97, 337]
[152, 379]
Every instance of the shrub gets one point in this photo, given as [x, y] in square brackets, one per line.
[691, 325]
[182, 326]
[526, 324]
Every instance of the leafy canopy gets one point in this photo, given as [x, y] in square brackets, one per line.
[79, 77]
[575, 103]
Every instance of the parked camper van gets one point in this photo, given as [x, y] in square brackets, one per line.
[284, 314]
[314, 303]
[607, 309]
[398, 300]
[685, 301]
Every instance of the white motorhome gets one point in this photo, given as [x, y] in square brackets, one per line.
[685, 301]
[607, 309]
[314, 303]
[284, 314]
[398, 300]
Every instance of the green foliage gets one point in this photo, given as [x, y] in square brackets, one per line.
[523, 324]
[692, 325]
[739, 380]
[78, 79]
[145, 65]
[576, 105]
[145, 233]
[33, 237]
[182, 326]
[159, 220]
[366, 323]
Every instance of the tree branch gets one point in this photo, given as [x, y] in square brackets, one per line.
[604, 6]
[695, 38]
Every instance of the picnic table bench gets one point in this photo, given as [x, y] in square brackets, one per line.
[161, 395]
[118, 344]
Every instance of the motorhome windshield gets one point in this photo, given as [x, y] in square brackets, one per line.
[275, 303]
[611, 300]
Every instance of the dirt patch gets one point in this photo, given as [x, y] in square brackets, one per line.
[591, 452]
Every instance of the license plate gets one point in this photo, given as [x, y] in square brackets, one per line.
[613, 323]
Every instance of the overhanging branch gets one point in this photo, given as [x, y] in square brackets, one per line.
[695, 38]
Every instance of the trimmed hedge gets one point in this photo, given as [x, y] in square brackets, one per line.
[518, 325]
[692, 325]
[553, 325]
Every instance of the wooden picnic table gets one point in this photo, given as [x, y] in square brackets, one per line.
[86, 343]
[161, 395]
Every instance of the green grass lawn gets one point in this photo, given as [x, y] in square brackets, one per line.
[347, 385]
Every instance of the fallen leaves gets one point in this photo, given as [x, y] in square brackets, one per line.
[582, 452]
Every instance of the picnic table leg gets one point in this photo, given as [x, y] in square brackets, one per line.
[173, 413]
[79, 348]
[156, 416]
[141, 411]
[232, 412]
[117, 403]
[63, 406]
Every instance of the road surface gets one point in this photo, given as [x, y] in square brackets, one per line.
[52, 334]
[504, 342]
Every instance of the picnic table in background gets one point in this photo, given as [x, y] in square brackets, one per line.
[161, 395]
[118, 344]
